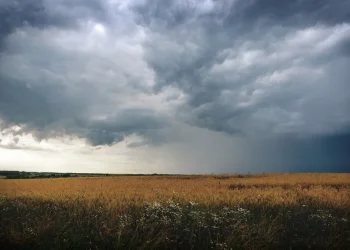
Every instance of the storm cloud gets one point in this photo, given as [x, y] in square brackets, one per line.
[139, 72]
[250, 70]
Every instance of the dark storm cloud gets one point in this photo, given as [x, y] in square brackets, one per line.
[296, 12]
[326, 153]
[114, 129]
[46, 13]
[37, 109]
[53, 98]
[240, 60]
[22, 104]
[99, 71]
[233, 14]
[37, 112]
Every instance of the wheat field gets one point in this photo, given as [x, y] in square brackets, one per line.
[263, 211]
[279, 189]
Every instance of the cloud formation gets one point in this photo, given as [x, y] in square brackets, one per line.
[136, 71]
[247, 69]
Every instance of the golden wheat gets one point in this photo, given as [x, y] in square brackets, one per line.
[274, 189]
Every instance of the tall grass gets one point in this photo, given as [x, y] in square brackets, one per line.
[298, 211]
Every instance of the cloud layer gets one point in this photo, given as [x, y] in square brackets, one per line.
[137, 71]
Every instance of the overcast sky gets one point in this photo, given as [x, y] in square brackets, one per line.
[185, 86]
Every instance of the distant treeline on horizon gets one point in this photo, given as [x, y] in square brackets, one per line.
[10, 174]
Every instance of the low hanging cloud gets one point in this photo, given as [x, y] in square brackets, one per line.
[136, 71]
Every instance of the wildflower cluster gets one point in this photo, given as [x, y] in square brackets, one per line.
[325, 218]
[188, 224]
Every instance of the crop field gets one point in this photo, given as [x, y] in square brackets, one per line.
[267, 211]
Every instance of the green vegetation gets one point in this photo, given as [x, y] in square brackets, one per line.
[34, 175]
[175, 224]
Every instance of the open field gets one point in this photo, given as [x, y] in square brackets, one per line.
[273, 211]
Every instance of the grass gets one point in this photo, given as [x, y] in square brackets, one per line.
[273, 211]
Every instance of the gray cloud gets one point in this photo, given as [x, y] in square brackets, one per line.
[239, 15]
[47, 13]
[78, 91]
[243, 72]
[205, 151]
[17, 147]
[38, 112]
[297, 12]
[139, 121]
[109, 72]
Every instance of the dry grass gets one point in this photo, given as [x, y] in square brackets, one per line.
[276, 189]
[177, 212]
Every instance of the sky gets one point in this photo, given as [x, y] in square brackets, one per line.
[185, 86]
